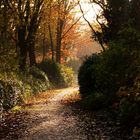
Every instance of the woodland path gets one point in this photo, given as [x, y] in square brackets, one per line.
[54, 115]
[53, 119]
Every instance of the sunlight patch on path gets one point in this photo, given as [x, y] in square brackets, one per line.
[64, 92]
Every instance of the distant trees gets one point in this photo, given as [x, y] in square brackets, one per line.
[58, 14]
[24, 22]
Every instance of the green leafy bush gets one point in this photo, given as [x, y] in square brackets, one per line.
[17, 88]
[9, 94]
[6, 96]
[74, 63]
[59, 75]
[95, 76]
[40, 81]
[67, 75]
[116, 67]
[52, 70]
[34, 81]
[39, 74]
[86, 78]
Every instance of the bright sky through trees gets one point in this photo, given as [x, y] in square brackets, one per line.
[90, 10]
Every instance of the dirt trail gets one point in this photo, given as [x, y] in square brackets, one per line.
[55, 116]
[54, 120]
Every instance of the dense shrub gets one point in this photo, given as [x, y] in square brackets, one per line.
[129, 105]
[17, 88]
[59, 75]
[86, 80]
[7, 93]
[116, 67]
[37, 73]
[40, 81]
[51, 69]
[95, 77]
[34, 81]
[67, 75]
[10, 89]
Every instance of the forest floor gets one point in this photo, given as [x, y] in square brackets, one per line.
[55, 115]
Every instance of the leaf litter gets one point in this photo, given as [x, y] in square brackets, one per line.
[55, 115]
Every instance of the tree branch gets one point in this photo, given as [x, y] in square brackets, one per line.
[100, 42]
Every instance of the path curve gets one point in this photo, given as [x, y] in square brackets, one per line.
[54, 120]
[55, 116]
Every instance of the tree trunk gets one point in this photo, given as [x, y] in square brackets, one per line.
[51, 42]
[31, 39]
[44, 48]
[22, 48]
[32, 55]
[58, 49]
[31, 49]
[58, 43]
[50, 31]
[60, 25]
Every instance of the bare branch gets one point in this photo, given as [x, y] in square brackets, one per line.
[91, 27]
